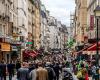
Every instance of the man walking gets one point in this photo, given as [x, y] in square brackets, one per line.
[3, 70]
[22, 73]
[42, 73]
[51, 73]
[33, 74]
[10, 68]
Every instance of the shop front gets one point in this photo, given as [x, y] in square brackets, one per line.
[5, 49]
[14, 52]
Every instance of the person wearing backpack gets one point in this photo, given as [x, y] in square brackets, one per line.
[51, 73]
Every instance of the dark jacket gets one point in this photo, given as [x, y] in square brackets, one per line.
[10, 68]
[18, 65]
[51, 73]
[23, 74]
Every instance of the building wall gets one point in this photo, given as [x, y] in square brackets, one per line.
[14, 15]
[53, 36]
[81, 22]
[23, 17]
[8, 25]
[91, 7]
[37, 25]
[4, 17]
[31, 22]
[44, 28]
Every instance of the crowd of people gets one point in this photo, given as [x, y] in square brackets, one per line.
[50, 67]
[47, 68]
[84, 69]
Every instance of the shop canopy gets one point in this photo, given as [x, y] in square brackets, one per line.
[29, 53]
[94, 47]
[84, 49]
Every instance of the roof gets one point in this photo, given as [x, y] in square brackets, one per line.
[97, 8]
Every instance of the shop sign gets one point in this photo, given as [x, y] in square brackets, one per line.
[14, 48]
[5, 47]
[91, 22]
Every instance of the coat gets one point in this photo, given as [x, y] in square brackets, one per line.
[23, 74]
[32, 75]
[51, 73]
[10, 68]
[42, 74]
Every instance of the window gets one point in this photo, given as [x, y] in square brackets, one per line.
[4, 30]
[0, 29]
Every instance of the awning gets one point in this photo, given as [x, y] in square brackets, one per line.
[81, 50]
[94, 47]
[32, 55]
[29, 53]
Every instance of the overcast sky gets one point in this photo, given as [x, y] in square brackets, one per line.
[60, 9]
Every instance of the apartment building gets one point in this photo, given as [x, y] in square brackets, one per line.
[91, 6]
[81, 21]
[8, 27]
[37, 24]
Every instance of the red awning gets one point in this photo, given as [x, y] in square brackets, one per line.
[81, 50]
[29, 53]
[94, 47]
[32, 55]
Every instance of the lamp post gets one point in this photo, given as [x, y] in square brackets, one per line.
[97, 20]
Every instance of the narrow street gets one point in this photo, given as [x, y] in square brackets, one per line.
[49, 39]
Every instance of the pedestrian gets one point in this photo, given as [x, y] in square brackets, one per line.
[3, 70]
[51, 73]
[94, 71]
[42, 73]
[10, 68]
[86, 74]
[23, 72]
[31, 67]
[56, 69]
[79, 75]
[18, 65]
[33, 73]
[0, 71]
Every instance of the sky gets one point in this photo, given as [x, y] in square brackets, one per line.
[60, 9]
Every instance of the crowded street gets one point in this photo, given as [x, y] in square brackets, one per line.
[49, 39]
[50, 67]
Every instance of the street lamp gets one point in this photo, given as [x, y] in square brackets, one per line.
[97, 20]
